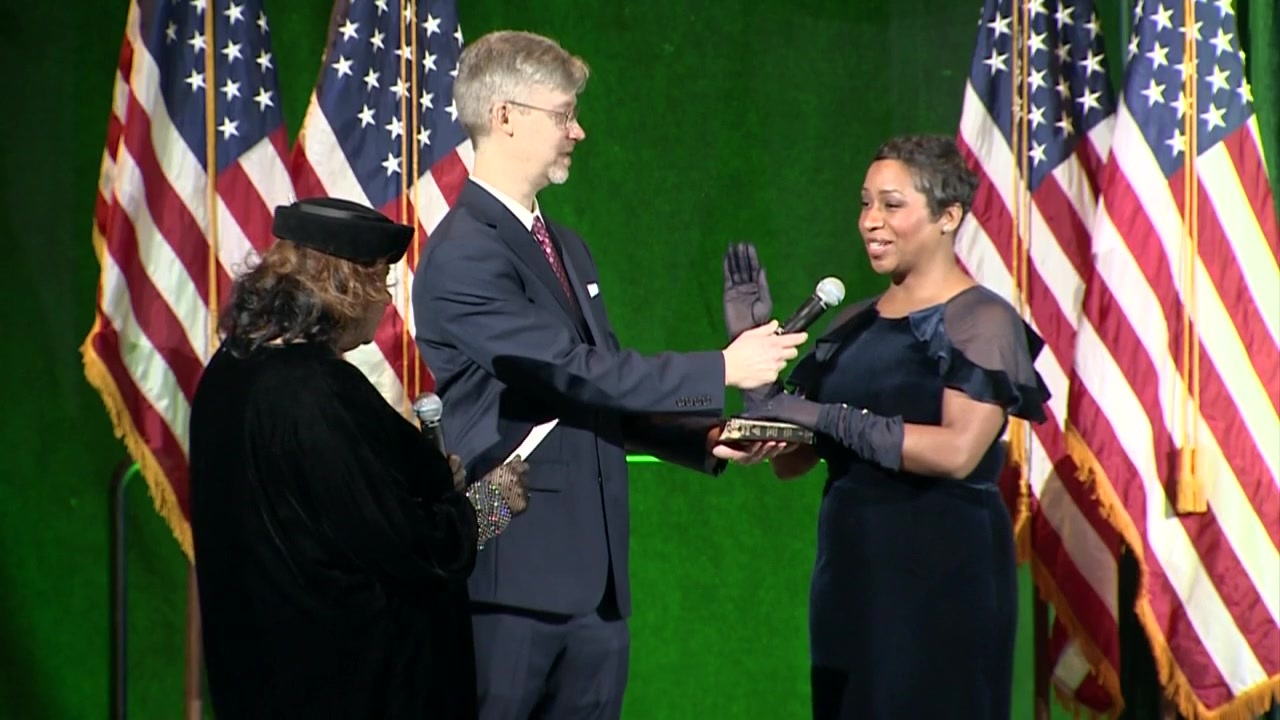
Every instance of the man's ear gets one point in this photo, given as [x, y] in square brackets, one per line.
[500, 118]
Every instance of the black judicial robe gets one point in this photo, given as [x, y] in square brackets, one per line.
[331, 549]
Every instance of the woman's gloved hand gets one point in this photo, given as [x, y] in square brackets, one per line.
[873, 437]
[499, 496]
[746, 290]
[510, 480]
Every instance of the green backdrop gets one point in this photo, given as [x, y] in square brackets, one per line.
[707, 121]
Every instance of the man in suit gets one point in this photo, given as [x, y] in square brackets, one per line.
[511, 322]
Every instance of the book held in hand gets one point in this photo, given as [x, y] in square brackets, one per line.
[743, 430]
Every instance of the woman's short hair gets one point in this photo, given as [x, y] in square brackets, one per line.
[295, 294]
[937, 169]
[502, 65]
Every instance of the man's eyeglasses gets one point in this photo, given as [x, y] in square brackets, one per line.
[562, 118]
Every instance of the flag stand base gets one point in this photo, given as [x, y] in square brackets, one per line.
[119, 691]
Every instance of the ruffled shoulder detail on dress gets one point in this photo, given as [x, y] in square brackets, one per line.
[992, 361]
[847, 322]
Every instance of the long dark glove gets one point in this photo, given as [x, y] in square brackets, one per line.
[747, 304]
[873, 437]
[746, 290]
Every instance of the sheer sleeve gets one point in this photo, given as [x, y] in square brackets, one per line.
[985, 350]
[982, 349]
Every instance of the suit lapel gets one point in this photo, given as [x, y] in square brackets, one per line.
[575, 258]
[518, 239]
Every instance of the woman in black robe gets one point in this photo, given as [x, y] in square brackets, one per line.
[332, 541]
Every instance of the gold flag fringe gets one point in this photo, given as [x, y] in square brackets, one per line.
[162, 495]
[1107, 675]
[1048, 589]
[1246, 705]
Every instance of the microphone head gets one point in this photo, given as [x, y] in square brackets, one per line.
[830, 291]
[428, 407]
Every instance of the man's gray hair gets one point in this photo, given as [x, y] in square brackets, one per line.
[502, 66]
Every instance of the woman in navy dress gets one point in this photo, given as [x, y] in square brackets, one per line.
[913, 602]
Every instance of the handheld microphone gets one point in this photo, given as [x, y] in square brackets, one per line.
[828, 294]
[429, 408]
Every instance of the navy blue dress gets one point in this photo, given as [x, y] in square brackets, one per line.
[913, 602]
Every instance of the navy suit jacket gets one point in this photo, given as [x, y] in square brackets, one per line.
[508, 351]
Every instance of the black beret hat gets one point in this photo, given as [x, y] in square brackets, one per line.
[343, 229]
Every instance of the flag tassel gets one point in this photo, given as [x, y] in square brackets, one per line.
[1018, 437]
[1189, 496]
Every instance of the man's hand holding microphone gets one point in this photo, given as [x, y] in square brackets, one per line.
[747, 310]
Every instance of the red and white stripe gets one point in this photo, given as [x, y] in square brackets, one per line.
[392, 362]
[1211, 594]
[1073, 548]
[151, 334]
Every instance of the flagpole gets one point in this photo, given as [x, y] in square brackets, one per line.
[1126, 30]
[1020, 259]
[1020, 256]
[193, 704]
[405, 48]
[1189, 495]
[1024, 157]
[417, 235]
[211, 175]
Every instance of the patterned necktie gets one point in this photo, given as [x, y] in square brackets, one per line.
[549, 250]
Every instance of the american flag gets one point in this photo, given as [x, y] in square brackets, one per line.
[382, 129]
[1028, 238]
[195, 87]
[1176, 386]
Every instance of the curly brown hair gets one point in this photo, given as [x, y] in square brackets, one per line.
[295, 294]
